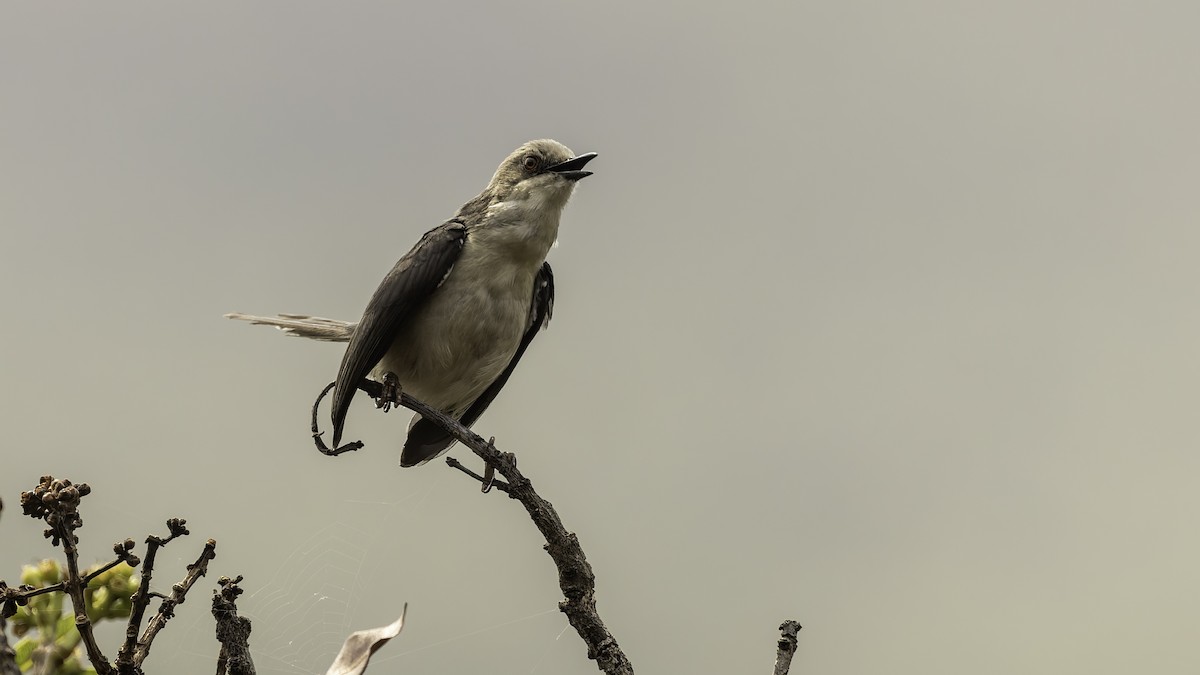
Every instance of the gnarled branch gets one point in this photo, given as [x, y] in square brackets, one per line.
[575, 576]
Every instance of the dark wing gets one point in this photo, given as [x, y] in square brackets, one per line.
[427, 440]
[402, 291]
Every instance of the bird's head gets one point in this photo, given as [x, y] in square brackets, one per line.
[544, 171]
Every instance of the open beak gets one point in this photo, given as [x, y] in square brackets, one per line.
[572, 169]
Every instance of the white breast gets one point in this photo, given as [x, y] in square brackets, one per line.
[460, 342]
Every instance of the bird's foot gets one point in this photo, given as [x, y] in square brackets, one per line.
[389, 393]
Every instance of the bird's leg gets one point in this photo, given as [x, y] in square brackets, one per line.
[389, 394]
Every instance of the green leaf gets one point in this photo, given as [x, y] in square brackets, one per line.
[24, 652]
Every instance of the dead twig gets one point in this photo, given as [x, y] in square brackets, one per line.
[166, 610]
[233, 631]
[786, 647]
[486, 485]
[133, 651]
[317, 433]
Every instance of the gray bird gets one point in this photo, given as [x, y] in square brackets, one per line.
[450, 321]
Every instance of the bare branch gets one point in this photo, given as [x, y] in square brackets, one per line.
[178, 593]
[787, 644]
[127, 661]
[575, 576]
[57, 502]
[498, 484]
[316, 430]
[124, 551]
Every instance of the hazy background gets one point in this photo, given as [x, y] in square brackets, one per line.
[880, 316]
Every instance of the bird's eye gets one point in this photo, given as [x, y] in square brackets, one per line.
[531, 163]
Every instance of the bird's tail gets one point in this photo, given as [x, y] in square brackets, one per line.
[300, 325]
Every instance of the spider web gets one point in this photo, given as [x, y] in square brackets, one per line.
[305, 611]
[302, 615]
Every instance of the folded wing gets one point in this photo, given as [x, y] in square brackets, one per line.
[410, 283]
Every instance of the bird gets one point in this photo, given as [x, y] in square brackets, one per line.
[453, 317]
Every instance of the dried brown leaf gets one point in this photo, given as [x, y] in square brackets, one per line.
[357, 649]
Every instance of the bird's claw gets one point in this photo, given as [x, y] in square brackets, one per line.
[489, 478]
[389, 393]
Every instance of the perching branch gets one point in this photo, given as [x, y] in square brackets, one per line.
[575, 576]
[788, 642]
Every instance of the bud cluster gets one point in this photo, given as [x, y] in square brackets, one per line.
[56, 501]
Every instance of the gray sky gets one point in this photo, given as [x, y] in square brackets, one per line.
[880, 316]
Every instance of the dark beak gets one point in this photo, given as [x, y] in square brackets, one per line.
[572, 168]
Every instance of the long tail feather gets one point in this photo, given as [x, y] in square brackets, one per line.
[300, 325]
